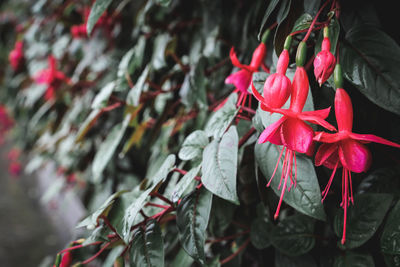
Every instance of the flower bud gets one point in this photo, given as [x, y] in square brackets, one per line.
[324, 62]
[277, 87]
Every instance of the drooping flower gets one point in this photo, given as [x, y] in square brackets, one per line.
[242, 78]
[6, 122]
[16, 56]
[291, 131]
[52, 77]
[324, 62]
[345, 149]
[277, 87]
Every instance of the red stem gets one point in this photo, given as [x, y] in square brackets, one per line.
[246, 136]
[79, 246]
[157, 205]
[227, 237]
[237, 252]
[97, 254]
[158, 195]
[315, 20]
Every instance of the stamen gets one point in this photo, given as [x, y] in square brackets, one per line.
[326, 190]
[295, 170]
[283, 190]
[345, 207]
[276, 166]
[351, 187]
[283, 168]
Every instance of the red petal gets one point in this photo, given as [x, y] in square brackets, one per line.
[300, 87]
[240, 79]
[297, 135]
[343, 110]
[271, 133]
[323, 113]
[354, 156]
[327, 155]
[258, 56]
[328, 137]
[315, 119]
[236, 62]
[373, 138]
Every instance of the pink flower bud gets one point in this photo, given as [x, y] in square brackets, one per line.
[16, 56]
[324, 62]
[277, 87]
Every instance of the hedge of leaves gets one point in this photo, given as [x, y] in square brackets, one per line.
[129, 100]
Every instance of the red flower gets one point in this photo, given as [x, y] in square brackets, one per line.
[291, 131]
[16, 56]
[242, 78]
[324, 62]
[52, 77]
[6, 123]
[13, 154]
[14, 168]
[277, 87]
[345, 149]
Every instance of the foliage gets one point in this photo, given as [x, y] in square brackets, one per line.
[164, 155]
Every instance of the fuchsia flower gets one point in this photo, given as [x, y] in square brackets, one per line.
[66, 260]
[16, 56]
[345, 149]
[242, 78]
[52, 77]
[14, 168]
[291, 130]
[324, 62]
[6, 122]
[277, 87]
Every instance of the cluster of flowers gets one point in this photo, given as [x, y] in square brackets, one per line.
[342, 149]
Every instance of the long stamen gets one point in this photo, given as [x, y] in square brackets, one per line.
[283, 190]
[283, 167]
[241, 95]
[295, 169]
[351, 187]
[341, 203]
[276, 166]
[326, 190]
[345, 207]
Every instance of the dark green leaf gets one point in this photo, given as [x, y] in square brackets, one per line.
[374, 73]
[383, 180]
[98, 8]
[133, 96]
[222, 118]
[390, 240]
[107, 149]
[101, 98]
[306, 197]
[147, 246]
[281, 32]
[294, 235]
[303, 22]
[221, 216]
[219, 166]
[282, 260]
[192, 217]
[182, 259]
[164, 2]
[354, 259]
[193, 145]
[260, 233]
[363, 219]
[271, 7]
[183, 184]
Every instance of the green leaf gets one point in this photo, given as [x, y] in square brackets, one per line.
[306, 197]
[303, 22]
[192, 217]
[133, 96]
[374, 73]
[160, 44]
[87, 124]
[384, 180]
[222, 118]
[101, 98]
[294, 235]
[91, 220]
[222, 213]
[219, 166]
[183, 184]
[98, 8]
[107, 149]
[147, 246]
[182, 259]
[134, 208]
[282, 260]
[193, 145]
[363, 219]
[354, 259]
[271, 7]
[390, 240]
[164, 3]
[261, 228]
